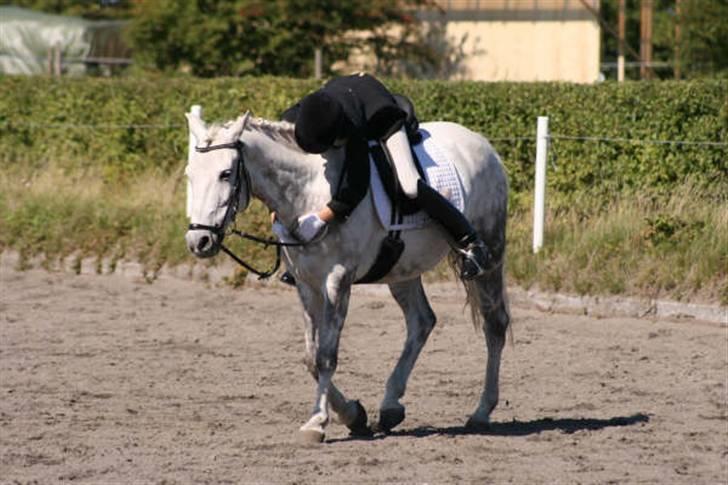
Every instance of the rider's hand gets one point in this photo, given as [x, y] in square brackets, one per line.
[309, 227]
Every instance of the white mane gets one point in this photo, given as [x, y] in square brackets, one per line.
[282, 131]
[278, 131]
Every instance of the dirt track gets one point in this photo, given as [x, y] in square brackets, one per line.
[108, 380]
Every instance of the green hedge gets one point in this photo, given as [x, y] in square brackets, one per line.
[45, 119]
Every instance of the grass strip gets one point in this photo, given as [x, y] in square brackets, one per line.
[669, 246]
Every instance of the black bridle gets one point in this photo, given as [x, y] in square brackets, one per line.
[237, 175]
[239, 172]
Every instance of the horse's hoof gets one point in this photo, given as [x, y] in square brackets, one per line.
[390, 417]
[310, 436]
[478, 425]
[360, 426]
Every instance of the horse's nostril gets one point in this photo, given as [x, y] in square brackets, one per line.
[202, 243]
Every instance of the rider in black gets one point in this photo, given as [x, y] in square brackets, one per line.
[349, 111]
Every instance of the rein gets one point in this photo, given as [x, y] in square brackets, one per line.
[239, 173]
[265, 242]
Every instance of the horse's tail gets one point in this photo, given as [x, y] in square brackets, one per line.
[485, 295]
[472, 300]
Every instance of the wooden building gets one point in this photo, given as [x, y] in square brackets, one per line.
[523, 40]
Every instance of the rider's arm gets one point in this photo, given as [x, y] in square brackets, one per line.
[354, 181]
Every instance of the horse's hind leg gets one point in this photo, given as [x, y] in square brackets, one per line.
[493, 305]
[420, 321]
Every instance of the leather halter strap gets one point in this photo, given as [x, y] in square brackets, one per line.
[236, 145]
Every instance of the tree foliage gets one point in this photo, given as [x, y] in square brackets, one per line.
[216, 37]
[705, 49]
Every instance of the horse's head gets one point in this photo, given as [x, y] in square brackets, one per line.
[219, 183]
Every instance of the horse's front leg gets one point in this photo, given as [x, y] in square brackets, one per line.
[324, 313]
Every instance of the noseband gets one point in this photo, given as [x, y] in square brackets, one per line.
[239, 173]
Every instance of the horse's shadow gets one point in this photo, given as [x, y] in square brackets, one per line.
[512, 428]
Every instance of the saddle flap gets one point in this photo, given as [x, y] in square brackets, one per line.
[436, 169]
[405, 205]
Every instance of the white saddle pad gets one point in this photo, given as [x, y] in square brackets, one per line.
[440, 174]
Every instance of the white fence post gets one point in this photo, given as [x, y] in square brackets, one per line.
[542, 144]
[318, 63]
[195, 110]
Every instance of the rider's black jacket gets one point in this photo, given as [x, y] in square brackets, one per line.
[371, 113]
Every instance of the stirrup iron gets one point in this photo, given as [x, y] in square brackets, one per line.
[476, 260]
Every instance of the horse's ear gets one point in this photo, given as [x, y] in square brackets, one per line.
[238, 126]
[197, 127]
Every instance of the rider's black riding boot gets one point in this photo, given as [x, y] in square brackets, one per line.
[476, 258]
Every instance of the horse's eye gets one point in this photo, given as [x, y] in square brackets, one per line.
[225, 175]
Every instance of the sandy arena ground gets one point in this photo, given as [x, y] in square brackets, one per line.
[104, 379]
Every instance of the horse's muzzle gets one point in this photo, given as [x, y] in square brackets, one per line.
[202, 243]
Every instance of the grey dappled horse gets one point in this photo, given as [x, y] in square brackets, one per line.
[254, 157]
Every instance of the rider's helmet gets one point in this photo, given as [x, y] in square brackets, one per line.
[319, 122]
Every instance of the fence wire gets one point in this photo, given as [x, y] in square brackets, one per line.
[638, 141]
[513, 138]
